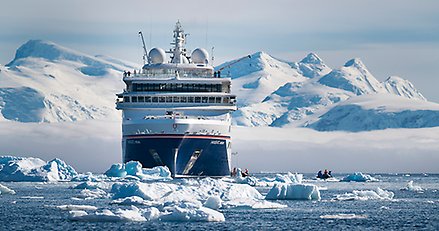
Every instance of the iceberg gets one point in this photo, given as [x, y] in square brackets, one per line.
[287, 191]
[34, 169]
[92, 185]
[193, 214]
[363, 195]
[134, 168]
[6, 190]
[359, 177]
[413, 188]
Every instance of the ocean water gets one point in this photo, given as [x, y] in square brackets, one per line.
[33, 208]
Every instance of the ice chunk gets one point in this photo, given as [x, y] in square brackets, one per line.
[134, 168]
[142, 190]
[283, 191]
[289, 178]
[34, 169]
[251, 204]
[116, 170]
[133, 200]
[378, 194]
[344, 216]
[77, 207]
[6, 190]
[92, 185]
[359, 177]
[413, 188]
[213, 202]
[193, 214]
[133, 214]
[88, 194]
[151, 213]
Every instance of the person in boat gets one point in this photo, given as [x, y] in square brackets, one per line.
[326, 174]
[320, 174]
[233, 173]
[245, 173]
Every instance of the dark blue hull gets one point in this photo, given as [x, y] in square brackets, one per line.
[192, 155]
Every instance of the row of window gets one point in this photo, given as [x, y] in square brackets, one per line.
[177, 99]
[177, 87]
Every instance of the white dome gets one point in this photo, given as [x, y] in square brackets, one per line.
[157, 55]
[200, 55]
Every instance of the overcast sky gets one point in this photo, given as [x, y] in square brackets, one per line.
[392, 37]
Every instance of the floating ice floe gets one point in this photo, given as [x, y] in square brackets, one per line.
[413, 188]
[92, 185]
[289, 178]
[6, 190]
[133, 214]
[88, 194]
[343, 216]
[34, 169]
[134, 169]
[363, 195]
[77, 207]
[191, 213]
[359, 177]
[292, 191]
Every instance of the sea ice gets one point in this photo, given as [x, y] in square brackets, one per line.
[413, 188]
[77, 207]
[288, 191]
[133, 200]
[359, 177]
[289, 178]
[92, 185]
[133, 214]
[34, 169]
[6, 190]
[88, 194]
[134, 168]
[343, 216]
[213, 202]
[192, 213]
[363, 195]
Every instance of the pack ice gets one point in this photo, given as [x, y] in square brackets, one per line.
[34, 169]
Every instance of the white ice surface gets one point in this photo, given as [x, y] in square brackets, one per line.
[358, 177]
[291, 191]
[34, 169]
[363, 195]
[6, 190]
[134, 168]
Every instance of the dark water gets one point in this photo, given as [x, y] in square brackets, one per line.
[408, 211]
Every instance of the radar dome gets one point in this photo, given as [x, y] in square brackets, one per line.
[200, 55]
[156, 55]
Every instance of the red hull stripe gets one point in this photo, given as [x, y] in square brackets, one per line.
[155, 136]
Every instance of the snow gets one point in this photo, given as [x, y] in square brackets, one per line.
[134, 168]
[213, 202]
[359, 177]
[34, 169]
[92, 185]
[6, 190]
[285, 191]
[363, 195]
[413, 188]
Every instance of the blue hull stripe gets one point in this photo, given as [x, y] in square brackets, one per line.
[176, 152]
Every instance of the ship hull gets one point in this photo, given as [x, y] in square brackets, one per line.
[188, 155]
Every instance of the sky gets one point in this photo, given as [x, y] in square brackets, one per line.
[392, 37]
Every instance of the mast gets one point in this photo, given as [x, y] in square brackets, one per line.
[178, 51]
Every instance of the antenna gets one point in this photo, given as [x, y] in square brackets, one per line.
[145, 53]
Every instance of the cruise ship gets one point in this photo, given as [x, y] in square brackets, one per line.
[177, 112]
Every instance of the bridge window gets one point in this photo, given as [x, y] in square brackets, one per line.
[141, 99]
[217, 99]
[183, 99]
[197, 99]
[155, 99]
[134, 99]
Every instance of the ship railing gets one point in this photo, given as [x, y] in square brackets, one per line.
[172, 117]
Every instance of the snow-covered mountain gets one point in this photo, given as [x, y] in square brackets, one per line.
[49, 83]
[305, 102]
[378, 111]
[46, 82]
